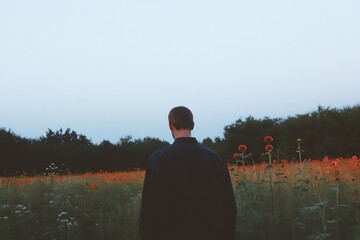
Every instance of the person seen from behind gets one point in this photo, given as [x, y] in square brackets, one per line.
[187, 192]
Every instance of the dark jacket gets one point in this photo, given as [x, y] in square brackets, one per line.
[187, 195]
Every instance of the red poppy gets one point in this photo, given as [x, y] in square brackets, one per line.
[93, 186]
[354, 158]
[326, 159]
[242, 148]
[269, 147]
[235, 155]
[268, 139]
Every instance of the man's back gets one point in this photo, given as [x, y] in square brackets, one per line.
[187, 194]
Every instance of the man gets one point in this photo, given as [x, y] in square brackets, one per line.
[187, 190]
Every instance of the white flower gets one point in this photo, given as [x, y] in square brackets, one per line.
[62, 214]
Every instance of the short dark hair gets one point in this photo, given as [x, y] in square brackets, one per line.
[181, 118]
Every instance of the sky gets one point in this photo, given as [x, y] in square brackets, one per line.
[112, 68]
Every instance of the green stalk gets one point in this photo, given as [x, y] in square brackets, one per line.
[299, 151]
[272, 201]
[270, 157]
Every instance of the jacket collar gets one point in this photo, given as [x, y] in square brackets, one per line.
[185, 140]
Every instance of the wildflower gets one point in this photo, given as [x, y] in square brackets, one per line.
[354, 158]
[62, 213]
[242, 148]
[235, 155]
[268, 139]
[93, 186]
[326, 159]
[269, 147]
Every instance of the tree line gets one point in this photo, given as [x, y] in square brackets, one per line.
[325, 132]
[62, 152]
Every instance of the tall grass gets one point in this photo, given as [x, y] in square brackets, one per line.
[312, 200]
[93, 206]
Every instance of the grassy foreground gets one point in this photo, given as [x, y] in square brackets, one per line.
[312, 200]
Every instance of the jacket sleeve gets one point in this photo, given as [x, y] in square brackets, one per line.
[229, 203]
[150, 215]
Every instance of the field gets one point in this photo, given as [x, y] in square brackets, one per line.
[312, 200]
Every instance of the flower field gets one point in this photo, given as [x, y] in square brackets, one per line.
[312, 200]
[285, 200]
[89, 206]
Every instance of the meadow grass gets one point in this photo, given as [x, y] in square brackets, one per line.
[90, 206]
[312, 200]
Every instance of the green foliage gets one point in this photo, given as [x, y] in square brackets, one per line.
[67, 137]
[327, 131]
[71, 152]
[69, 209]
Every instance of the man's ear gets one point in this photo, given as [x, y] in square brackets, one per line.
[192, 126]
[171, 126]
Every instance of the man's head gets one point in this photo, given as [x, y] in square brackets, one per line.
[180, 119]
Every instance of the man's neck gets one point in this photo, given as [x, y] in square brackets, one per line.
[181, 133]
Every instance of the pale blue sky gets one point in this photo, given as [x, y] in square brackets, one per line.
[110, 68]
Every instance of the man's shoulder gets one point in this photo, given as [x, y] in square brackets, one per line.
[213, 154]
[160, 152]
[207, 149]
